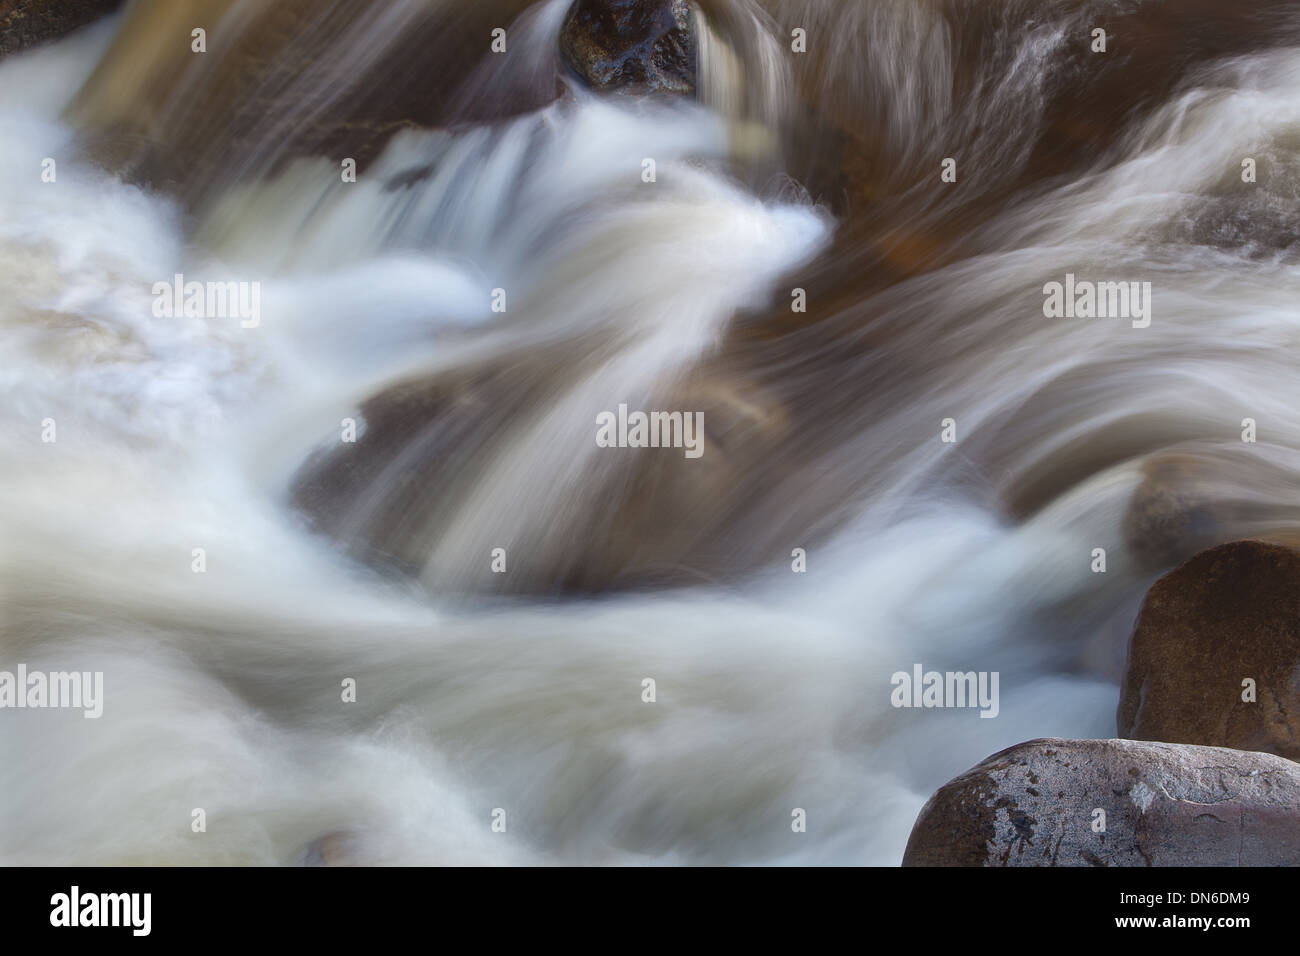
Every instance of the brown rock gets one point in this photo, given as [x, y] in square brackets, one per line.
[1229, 614]
[26, 23]
[661, 521]
[1035, 804]
[295, 78]
[639, 46]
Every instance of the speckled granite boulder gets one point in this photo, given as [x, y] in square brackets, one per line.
[640, 46]
[1114, 803]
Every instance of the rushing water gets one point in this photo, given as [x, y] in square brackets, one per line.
[524, 691]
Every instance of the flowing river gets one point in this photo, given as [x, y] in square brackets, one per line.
[179, 512]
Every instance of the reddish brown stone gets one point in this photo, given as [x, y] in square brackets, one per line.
[1228, 615]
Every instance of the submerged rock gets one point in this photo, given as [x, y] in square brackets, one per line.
[657, 517]
[26, 23]
[1169, 517]
[1114, 803]
[297, 78]
[640, 46]
[1205, 496]
[1215, 655]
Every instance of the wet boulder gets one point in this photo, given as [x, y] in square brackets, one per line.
[27, 23]
[1215, 655]
[637, 46]
[1114, 803]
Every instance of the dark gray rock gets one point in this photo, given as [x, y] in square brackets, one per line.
[1035, 804]
[638, 46]
[26, 23]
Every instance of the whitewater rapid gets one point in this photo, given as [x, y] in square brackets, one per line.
[222, 688]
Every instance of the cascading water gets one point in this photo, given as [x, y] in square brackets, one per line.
[475, 691]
